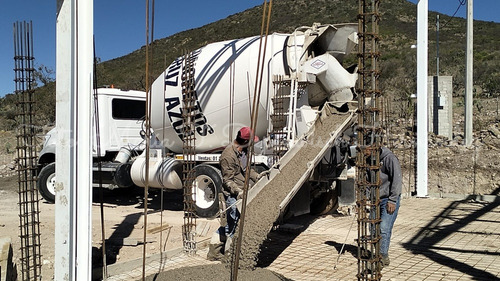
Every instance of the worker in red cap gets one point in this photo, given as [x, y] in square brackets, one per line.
[233, 163]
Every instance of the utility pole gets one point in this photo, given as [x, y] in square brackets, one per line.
[468, 75]
[437, 45]
[422, 106]
[73, 213]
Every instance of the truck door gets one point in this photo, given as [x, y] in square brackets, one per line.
[127, 118]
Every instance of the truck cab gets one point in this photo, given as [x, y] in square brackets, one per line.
[120, 115]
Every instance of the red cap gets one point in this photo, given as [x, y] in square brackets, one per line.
[246, 133]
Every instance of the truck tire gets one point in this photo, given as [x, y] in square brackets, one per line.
[46, 182]
[206, 187]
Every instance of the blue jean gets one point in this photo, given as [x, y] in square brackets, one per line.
[232, 215]
[386, 225]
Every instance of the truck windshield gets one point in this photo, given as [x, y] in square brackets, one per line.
[128, 109]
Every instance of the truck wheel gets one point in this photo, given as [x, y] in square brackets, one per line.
[47, 181]
[206, 187]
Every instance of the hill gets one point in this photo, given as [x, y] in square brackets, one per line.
[398, 33]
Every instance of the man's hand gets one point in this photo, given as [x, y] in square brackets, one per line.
[391, 207]
[240, 195]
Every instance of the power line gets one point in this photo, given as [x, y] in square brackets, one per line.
[460, 4]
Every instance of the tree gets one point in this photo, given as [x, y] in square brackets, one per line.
[44, 75]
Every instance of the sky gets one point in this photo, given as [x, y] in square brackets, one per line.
[119, 24]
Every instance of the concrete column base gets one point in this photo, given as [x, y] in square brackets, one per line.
[8, 270]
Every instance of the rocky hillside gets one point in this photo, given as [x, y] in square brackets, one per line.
[452, 167]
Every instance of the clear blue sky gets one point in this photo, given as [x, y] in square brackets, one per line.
[119, 24]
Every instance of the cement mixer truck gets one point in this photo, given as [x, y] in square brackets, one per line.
[301, 72]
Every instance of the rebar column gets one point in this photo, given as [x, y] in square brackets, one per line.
[189, 108]
[29, 223]
[369, 140]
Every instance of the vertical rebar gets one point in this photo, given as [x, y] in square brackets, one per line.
[29, 223]
[147, 124]
[267, 7]
[99, 169]
[189, 108]
[369, 140]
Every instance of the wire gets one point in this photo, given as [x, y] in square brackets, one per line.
[345, 241]
[460, 4]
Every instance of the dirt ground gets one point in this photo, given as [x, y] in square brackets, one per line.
[123, 212]
[453, 169]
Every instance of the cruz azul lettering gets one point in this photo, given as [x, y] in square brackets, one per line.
[173, 105]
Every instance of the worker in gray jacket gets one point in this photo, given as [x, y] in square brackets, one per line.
[390, 193]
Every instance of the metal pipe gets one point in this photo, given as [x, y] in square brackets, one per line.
[422, 106]
[469, 74]
[437, 45]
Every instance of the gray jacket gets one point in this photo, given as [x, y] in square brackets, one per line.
[390, 175]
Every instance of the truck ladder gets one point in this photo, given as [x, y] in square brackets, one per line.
[283, 117]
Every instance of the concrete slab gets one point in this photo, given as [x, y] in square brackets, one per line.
[433, 239]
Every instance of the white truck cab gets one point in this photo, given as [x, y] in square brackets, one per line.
[120, 121]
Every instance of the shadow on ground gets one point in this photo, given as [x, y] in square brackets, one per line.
[126, 197]
[344, 248]
[426, 241]
[172, 200]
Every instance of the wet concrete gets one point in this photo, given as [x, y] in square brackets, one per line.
[263, 210]
[218, 272]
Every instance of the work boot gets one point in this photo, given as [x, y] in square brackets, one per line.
[385, 260]
[215, 252]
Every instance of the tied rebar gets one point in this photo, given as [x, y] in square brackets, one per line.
[29, 223]
[189, 111]
[369, 140]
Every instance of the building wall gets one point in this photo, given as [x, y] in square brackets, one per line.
[440, 102]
